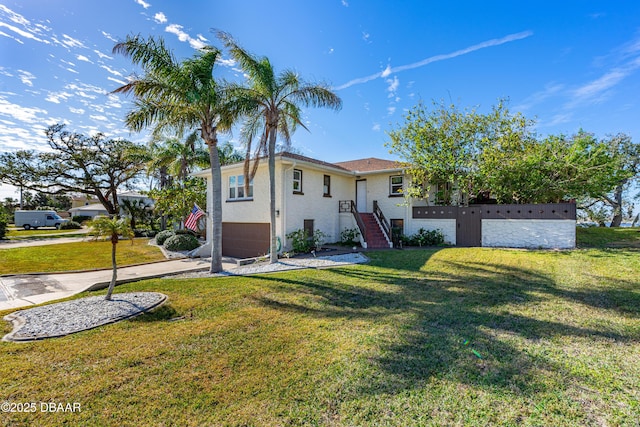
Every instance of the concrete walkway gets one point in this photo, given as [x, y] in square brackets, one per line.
[24, 290]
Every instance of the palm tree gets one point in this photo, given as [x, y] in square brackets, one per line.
[111, 228]
[178, 158]
[180, 95]
[273, 103]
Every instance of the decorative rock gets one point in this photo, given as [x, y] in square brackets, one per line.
[64, 318]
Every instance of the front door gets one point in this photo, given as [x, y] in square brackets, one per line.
[361, 195]
[469, 226]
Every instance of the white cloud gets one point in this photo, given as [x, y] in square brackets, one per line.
[20, 113]
[143, 4]
[68, 42]
[26, 77]
[160, 18]
[99, 118]
[56, 97]
[120, 82]
[102, 55]
[393, 86]
[345, 3]
[184, 37]
[24, 34]
[77, 110]
[111, 70]
[386, 71]
[550, 90]
[376, 127]
[226, 62]
[437, 58]
[83, 58]
[391, 110]
[109, 37]
[366, 36]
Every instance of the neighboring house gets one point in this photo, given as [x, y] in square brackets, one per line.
[94, 209]
[91, 210]
[364, 194]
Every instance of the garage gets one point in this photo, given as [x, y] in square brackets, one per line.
[245, 239]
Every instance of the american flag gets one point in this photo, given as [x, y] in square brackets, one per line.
[192, 220]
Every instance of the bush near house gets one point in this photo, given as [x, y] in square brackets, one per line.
[3, 224]
[424, 238]
[349, 236]
[164, 235]
[181, 242]
[303, 243]
[81, 218]
[71, 225]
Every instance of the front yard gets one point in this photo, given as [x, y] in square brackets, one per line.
[86, 255]
[457, 336]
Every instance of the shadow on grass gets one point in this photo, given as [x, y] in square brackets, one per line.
[163, 313]
[470, 321]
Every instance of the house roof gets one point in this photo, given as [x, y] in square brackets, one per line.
[92, 207]
[369, 165]
[310, 160]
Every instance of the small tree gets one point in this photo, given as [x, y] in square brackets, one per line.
[111, 228]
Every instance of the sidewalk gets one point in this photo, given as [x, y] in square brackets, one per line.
[25, 290]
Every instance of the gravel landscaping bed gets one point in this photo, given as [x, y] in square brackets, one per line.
[64, 318]
[284, 265]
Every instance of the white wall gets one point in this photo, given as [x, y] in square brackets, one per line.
[447, 226]
[531, 233]
[324, 211]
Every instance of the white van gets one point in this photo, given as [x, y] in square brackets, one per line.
[35, 219]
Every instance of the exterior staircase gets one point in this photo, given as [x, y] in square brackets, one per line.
[375, 237]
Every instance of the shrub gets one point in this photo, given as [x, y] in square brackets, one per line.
[70, 225]
[186, 231]
[162, 236]
[3, 224]
[349, 235]
[80, 218]
[302, 243]
[181, 242]
[143, 232]
[424, 238]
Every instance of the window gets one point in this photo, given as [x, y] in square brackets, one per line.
[297, 181]
[326, 188]
[443, 193]
[395, 185]
[236, 188]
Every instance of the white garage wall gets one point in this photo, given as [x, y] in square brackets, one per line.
[532, 233]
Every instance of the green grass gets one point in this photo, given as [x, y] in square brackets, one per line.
[603, 237]
[14, 233]
[388, 343]
[75, 256]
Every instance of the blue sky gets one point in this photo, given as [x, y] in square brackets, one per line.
[569, 64]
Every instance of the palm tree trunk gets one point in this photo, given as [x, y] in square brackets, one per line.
[216, 215]
[114, 276]
[272, 194]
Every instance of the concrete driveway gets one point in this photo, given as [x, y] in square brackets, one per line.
[23, 290]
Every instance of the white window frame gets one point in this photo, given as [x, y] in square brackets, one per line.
[392, 185]
[236, 187]
[298, 181]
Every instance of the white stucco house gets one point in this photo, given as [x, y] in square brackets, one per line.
[367, 194]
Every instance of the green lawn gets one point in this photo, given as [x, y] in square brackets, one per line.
[603, 237]
[20, 233]
[456, 336]
[75, 256]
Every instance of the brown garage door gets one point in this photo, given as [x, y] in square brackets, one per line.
[245, 239]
